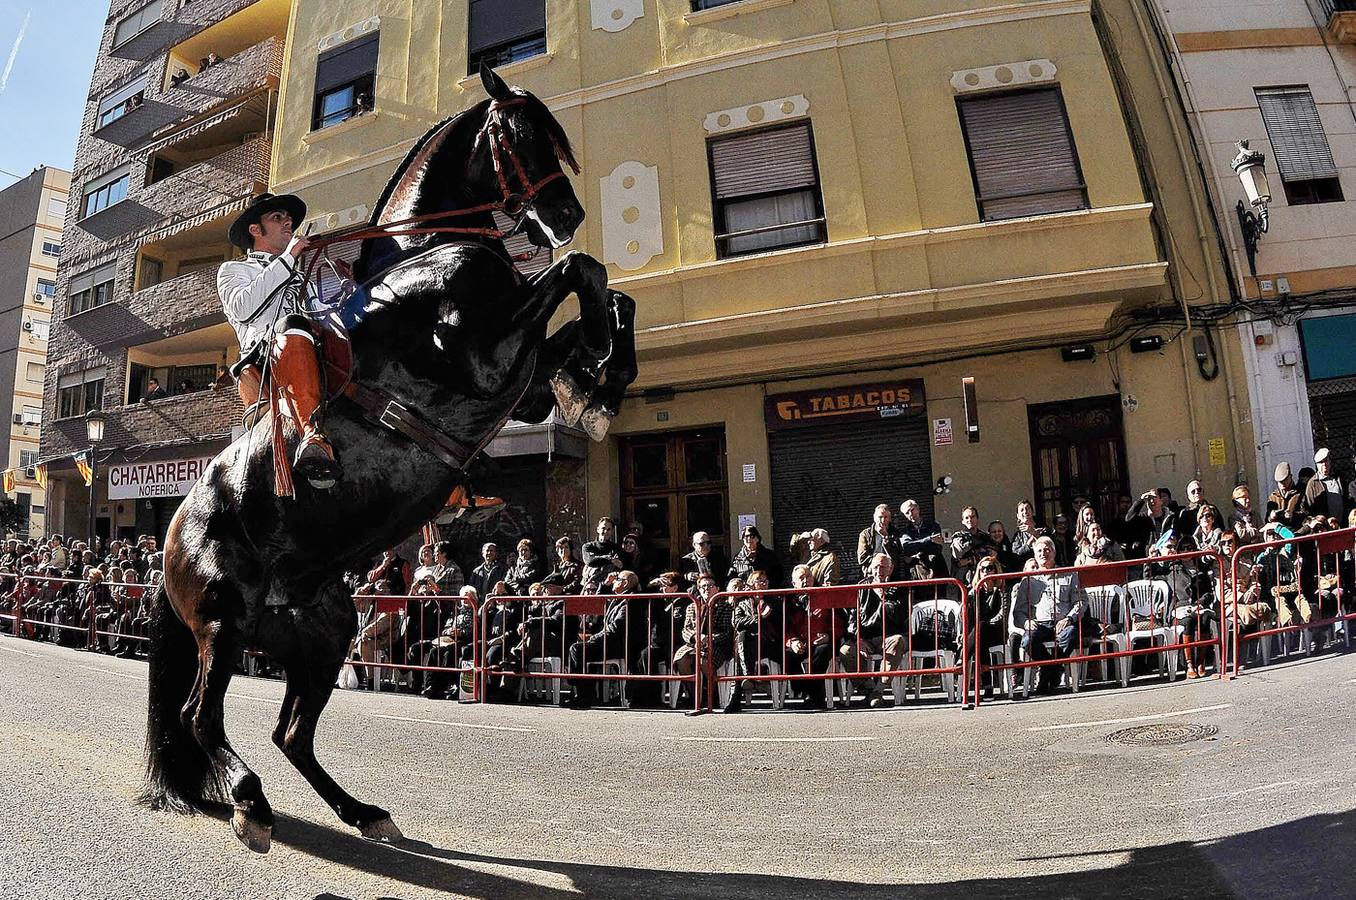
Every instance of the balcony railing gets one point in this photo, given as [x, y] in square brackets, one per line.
[252, 69]
[240, 170]
[1341, 16]
[171, 307]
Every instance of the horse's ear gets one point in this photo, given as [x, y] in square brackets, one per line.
[495, 86]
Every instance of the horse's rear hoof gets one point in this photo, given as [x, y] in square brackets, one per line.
[381, 830]
[252, 834]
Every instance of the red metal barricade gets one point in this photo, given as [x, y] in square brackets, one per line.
[591, 641]
[47, 606]
[1157, 608]
[424, 636]
[1292, 585]
[791, 635]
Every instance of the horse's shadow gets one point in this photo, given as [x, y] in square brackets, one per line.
[1263, 860]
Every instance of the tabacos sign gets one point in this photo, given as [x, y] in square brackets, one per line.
[168, 478]
[844, 404]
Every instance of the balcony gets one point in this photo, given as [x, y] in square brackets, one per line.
[1341, 16]
[118, 219]
[252, 69]
[165, 29]
[202, 416]
[241, 170]
[140, 118]
[173, 307]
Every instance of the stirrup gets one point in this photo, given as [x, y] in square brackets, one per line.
[316, 463]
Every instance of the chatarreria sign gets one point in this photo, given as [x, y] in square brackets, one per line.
[167, 478]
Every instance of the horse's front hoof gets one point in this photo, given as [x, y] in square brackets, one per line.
[595, 423]
[570, 398]
[381, 830]
[254, 835]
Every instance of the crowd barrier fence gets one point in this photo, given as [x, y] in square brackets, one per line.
[49, 606]
[423, 637]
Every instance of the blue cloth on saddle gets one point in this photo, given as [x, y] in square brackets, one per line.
[350, 310]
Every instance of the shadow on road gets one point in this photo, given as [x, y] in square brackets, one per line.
[1300, 859]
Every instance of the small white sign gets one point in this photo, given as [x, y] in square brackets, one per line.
[168, 478]
[941, 433]
[750, 473]
[747, 520]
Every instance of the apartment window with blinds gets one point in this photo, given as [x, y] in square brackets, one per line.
[104, 191]
[765, 188]
[504, 31]
[345, 82]
[121, 102]
[1022, 154]
[137, 21]
[91, 289]
[80, 392]
[1299, 146]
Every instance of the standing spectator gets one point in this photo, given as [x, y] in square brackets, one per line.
[569, 572]
[394, 570]
[811, 548]
[490, 571]
[1149, 517]
[1326, 494]
[633, 559]
[1085, 516]
[754, 557]
[1063, 535]
[1025, 535]
[1243, 521]
[1048, 608]
[447, 574]
[425, 568]
[878, 537]
[922, 540]
[879, 624]
[602, 556]
[703, 560]
[527, 569]
[1283, 505]
[1186, 516]
[153, 391]
[969, 544]
[1002, 545]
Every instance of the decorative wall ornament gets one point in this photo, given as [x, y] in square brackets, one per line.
[1013, 74]
[757, 114]
[632, 232]
[615, 15]
[344, 217]
[344, 35]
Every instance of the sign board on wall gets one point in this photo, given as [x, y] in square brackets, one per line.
[166, 478]
[942, 435]
[844, 404]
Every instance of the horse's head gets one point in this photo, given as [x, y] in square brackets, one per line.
[519, 154]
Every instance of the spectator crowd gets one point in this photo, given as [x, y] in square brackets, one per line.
[424, 624]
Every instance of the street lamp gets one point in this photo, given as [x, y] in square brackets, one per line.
[94, 431]
[1251, 168]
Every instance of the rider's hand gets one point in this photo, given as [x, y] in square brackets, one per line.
[299, 244]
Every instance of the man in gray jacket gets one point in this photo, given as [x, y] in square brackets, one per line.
[1048, 607]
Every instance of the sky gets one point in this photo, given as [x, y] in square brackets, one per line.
[45, 68]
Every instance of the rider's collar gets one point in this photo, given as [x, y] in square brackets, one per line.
[260, 256]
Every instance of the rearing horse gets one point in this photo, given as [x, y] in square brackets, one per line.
[452, 341]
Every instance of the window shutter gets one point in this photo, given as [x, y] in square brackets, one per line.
[1298, 143]
[1022, 154]
[132, 25]
[106, 179]
[496, 22]
[347, 63]
[87, 280]
[133, 87]
[778, 160]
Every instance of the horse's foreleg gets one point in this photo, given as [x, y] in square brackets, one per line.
[253, 818]
[580, 274]
[620, 369]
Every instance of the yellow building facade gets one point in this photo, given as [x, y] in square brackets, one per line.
[796, 386]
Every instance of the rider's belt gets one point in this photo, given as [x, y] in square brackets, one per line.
[392, 414]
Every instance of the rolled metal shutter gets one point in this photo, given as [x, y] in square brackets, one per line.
[496, 22]
[781, 159]
[1022, 153]
[1298, 142]
[347, 63]
[327, 282]
[833, 477]
[1332, 409]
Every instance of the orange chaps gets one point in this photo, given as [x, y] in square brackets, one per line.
[297, 374]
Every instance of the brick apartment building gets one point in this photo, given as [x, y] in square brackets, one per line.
[175, 138]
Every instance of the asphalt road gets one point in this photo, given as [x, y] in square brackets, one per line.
[1013, 800]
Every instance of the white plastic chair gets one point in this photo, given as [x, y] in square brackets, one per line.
[1106, 604]
[536, 687]
[941, 657]
[841, 688]
[609, 667]
[1076, 669]
[725, 689]
[1149, 598]
[776, 689]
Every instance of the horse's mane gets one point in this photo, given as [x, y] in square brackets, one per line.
[414, 167]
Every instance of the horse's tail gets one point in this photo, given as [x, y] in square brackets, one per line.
[179, 774]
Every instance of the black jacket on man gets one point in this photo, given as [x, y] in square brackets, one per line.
[714, 564]
[764, 559]
[872, 611]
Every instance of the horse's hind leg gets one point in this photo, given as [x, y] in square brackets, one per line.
[253, 818]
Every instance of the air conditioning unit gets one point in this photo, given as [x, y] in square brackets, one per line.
[28, 326]
[31, 472]
[40, 296]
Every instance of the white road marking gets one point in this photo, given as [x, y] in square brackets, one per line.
[18, 651]
[772, 740]
[1166, 715]
[103, 671]
[1251, 790]
[456, 724]
[275, 702]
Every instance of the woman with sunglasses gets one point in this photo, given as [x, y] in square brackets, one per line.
[988, 610]
[754, 557]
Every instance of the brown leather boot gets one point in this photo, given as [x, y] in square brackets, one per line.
[297, 374]
[469, 507]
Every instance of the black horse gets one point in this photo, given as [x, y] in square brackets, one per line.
[453, 342]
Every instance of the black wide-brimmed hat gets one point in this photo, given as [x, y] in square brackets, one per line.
[258, 208]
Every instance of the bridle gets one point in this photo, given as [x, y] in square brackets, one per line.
[514, 204]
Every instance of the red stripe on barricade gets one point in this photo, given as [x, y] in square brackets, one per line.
[34, 614]
[1119, 614]
[847, 630]
[586, 641]
[1269, 579]
[424, 635]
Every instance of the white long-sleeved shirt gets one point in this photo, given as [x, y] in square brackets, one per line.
[257, 291]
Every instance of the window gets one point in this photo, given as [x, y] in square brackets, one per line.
[1298, 145]
[51, 249]
[80, 392]
[39, 328]
[35, 372]
[56, 209]
[121, 102]
[710, 4]
[135, 22]
[505, 31]
[1022, 154]
[345, 78]
[28, 458]
[152, 272]
[32, 415]
[46, 290]
[104, 191]
[766, 188]
[91, 289]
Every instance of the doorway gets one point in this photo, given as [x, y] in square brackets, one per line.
[1078, 450]
[675, 484]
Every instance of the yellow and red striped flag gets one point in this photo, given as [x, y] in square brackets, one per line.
[9, 480]
[86, 470]
[41, 476]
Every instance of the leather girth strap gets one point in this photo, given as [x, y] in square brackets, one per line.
[391, 413]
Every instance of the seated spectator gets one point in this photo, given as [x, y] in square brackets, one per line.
[380, 634]
[153, 391]
[754, 557]
[1243, 520]
[490, 572]
[568, 571]
[600, 638]
[1254, 613]
[452, 648]
[812, 548]
[812, 636]
[1207, 533]
[879, 625]
[878, 537]
[988, 608]
[1098, 548]
[721, 618]
[1048, 608]
[760, 625]
[704, 559]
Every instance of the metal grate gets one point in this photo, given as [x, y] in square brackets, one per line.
[1162, 734]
